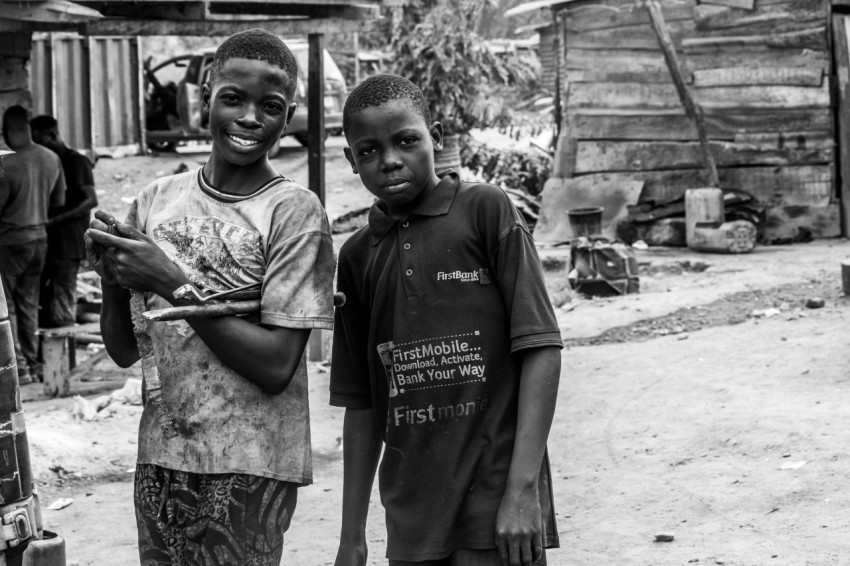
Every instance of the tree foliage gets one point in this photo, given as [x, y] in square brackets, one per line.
[436, 47]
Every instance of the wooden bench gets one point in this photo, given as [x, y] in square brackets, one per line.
[58, 347]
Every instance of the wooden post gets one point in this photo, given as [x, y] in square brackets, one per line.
[316, 114]
[57, 368]
[316, 146]
[841, 48]
[691, 107]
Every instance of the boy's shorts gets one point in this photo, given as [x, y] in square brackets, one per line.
[466, 558]
[187, 519]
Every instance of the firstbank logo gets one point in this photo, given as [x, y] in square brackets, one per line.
[479, 276]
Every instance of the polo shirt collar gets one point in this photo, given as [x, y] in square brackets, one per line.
[436, 203]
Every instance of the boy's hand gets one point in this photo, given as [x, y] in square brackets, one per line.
[519, 529]
[351, 554]
[137, 263]
[96, 254]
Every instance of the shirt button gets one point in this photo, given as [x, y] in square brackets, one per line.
[409, 272]
[407, 246]
[405, 224]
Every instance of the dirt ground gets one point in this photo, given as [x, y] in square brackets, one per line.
[711, 405]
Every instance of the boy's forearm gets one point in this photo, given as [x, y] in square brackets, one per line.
[361, 452]
[116, 325]
[538, 392]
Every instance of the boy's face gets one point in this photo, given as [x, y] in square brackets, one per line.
[248, 109]
[48, 138]
[392, 148]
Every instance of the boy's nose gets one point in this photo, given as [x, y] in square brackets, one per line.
[249, 118]
[390, 160]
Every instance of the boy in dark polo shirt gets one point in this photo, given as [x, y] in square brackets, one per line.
[447, 350]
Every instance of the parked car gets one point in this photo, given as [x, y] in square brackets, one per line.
[173, 98]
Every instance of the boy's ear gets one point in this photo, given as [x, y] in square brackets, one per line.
[290, 112]
[437, 135]
[350, 157]
[206, 95]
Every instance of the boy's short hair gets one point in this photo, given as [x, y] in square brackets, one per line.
[380, 89]
[260, 45]
[16, 117]
[44, 123]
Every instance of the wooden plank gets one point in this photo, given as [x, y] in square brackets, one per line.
[810, 185]
[811, 38]
[616, 61]
[605, 76]
[301, 9]
[717, 56]
[745, 76]
[787, 138]
[654, 96]
[765, 20]
[631, 37]
[796, 223]
[676, 126]
[223, 27]
[598, 156]
[622, 13]
[685, 96]
[740, 4]
[51, 11]
[841, 41]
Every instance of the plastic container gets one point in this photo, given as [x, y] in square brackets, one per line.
[586, 222]
[47, 551]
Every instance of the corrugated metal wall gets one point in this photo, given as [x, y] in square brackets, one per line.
[91, 86]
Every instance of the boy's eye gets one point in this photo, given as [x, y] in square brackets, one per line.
[366, 151]
[229, 98]
[409, 140]
[274, 108]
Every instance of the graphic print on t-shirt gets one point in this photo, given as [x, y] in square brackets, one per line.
[219, 255]
[427, 368]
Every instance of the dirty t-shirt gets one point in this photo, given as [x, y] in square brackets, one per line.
[33, 175]
[278, 235]
[439, 308]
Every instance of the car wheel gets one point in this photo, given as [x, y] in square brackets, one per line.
[304, 139]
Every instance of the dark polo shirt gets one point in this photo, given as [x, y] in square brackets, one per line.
[437, 308]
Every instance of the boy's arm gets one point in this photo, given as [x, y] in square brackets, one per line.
[518, 523]
[57, 192]
[361, 450]
[116, 324]
[81, 209]
[266, 356]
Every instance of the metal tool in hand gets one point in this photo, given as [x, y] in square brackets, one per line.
[240, 300]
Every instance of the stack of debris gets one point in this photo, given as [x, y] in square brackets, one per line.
[662, 222]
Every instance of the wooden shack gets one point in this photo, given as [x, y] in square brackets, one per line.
[769, 75]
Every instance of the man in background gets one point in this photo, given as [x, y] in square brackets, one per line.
[65, 227]
[33, 183]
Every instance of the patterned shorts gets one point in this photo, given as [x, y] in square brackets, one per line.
[187, 519]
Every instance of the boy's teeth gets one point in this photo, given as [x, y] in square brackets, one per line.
[243, 141]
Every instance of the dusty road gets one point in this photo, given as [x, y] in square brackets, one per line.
[679, 411]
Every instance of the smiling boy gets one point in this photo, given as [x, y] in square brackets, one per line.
[227, 442]
[447, 350]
